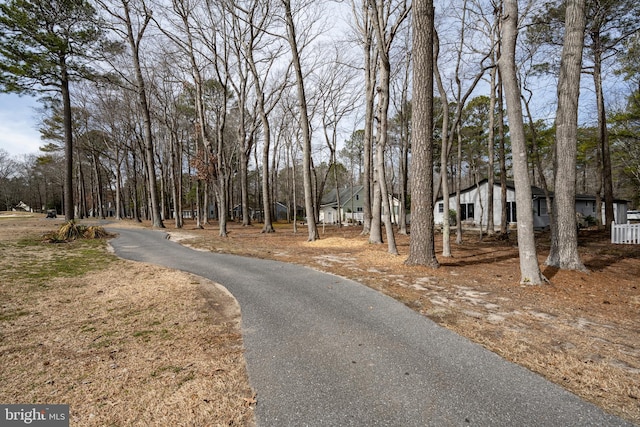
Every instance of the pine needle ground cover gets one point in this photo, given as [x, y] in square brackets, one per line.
[582, 331]
[121, 343]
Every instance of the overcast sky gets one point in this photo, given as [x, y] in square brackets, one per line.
[18, 125]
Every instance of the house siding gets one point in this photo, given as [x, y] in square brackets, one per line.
[478, 196]
[351, 207]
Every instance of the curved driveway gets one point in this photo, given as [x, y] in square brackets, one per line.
[326, 351]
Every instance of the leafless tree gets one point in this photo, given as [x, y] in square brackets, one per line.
[529, 267]
[387, 19]
[261, 51]
[131, 20]
[402, 126]
[292, 37]
[462, 86]
[7, 169]
[338, 99]
[444, 151]
[364, 29]
[564, 240]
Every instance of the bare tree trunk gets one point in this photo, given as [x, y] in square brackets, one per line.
[603, 134]
[403, 169]
[244, 186]
[444, 153]
[457, 124]
[564, 238]
[421, 244]
[404, 184]
[370, 83]
[69, 205]
[502, 154]
[384, 37]
[267, 204]
[529, 267]
[599, 175]
[293, 191]
[458, 188]
[99, 195]
[81, 199]
[381, 144]
[222, 177]
[134, 191]
[375, 231]
[490, 145]
[384, 192]
[370, 66]
[304, 122]
[118, 201]
[198, 213]
[474, 167]
[176, 178]
[134, 44]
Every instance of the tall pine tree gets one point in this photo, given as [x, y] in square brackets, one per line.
[44, 45]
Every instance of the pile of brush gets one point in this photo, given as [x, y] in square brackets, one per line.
[71, 230]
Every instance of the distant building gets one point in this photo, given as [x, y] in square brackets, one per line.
[22, 206]
[351, 206]
[280, 210]
[474, 209]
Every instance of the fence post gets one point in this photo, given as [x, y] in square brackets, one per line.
[613, 232]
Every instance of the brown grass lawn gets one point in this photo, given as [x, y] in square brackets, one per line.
[132, 344]
[123, 343]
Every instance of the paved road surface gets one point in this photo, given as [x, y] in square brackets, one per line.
[325, 351]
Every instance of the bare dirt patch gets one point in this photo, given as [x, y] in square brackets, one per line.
[581, 331]
[124, 344]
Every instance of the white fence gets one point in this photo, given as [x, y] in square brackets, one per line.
[625, 233]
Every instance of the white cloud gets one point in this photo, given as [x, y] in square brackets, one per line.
[18, 125]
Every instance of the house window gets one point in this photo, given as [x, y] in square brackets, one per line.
[542, 208]
[359, 209]
[357, 197]
[466, 211]
[511, 212]
[440, 207]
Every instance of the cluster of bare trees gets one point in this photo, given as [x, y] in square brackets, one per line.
[180, 105]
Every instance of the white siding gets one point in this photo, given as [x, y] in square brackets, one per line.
[476, 196]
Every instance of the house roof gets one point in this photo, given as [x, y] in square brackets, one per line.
[536, 192]
[346, 194]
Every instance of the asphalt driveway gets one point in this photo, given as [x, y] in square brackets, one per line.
[326, 351]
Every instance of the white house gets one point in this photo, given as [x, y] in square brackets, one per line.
[351, 207]
[474, 210]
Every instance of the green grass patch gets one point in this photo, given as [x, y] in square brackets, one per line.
[27, 242]
[88, 328]
[101, 344]
[11, 315]
[171, 368]
[36, 262]
[143, 334]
